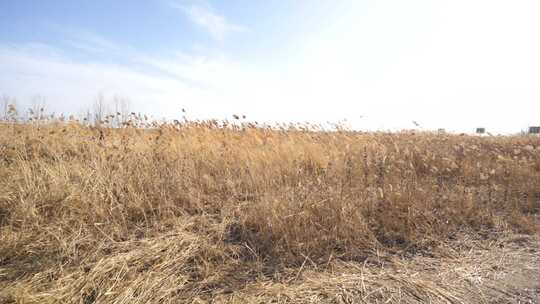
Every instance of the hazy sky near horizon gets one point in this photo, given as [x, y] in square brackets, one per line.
[378, 64]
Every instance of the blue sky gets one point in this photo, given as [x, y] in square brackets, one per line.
[377, 64]
[241, 28]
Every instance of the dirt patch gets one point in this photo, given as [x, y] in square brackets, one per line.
[506, 271]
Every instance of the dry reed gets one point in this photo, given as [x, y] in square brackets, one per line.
[199, 211]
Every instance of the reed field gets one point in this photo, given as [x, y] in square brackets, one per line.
[214, 212]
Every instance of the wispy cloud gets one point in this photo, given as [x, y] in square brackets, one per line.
[91, 42]
[206, 17]
[71, 85]
[86, 40]
[160, 87]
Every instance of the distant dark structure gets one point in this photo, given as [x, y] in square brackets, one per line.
[534, 130]
[480, 130]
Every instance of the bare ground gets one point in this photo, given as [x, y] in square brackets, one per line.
[504, 271]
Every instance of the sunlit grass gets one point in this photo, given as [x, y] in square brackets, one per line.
[187, 210]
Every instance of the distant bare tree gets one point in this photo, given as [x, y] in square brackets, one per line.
[37, 108]
[87, 118]
[8, 109]
[5, 107]
[121, 106]
[99, 109]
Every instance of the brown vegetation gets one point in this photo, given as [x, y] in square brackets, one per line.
[197, 212]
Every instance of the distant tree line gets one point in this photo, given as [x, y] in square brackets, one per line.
[114, 112]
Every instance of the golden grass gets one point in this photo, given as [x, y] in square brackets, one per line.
[199, 212]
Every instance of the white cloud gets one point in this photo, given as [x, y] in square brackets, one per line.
[207, 18]
[87, 41]
[389, 63]
[321, 88]
[71, 86]
[91, 42]
[454, 65]
[208, 87]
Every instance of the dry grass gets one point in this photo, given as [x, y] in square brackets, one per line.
[203, 213]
